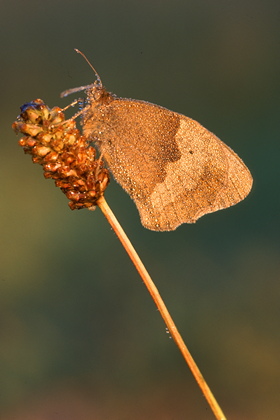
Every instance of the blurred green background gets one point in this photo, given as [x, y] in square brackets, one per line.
[80, 337]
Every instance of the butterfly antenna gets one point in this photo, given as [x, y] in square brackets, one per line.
[89, 63]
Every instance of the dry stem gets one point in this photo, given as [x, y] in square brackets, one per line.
[161, 307]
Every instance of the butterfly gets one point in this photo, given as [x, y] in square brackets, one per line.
[173, 168]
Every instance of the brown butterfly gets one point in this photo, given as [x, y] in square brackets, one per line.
[171, 166]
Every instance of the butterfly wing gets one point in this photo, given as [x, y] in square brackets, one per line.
[172, 167]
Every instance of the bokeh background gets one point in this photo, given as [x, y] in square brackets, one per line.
[80, 337]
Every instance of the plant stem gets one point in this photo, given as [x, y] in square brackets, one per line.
[161, 307]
